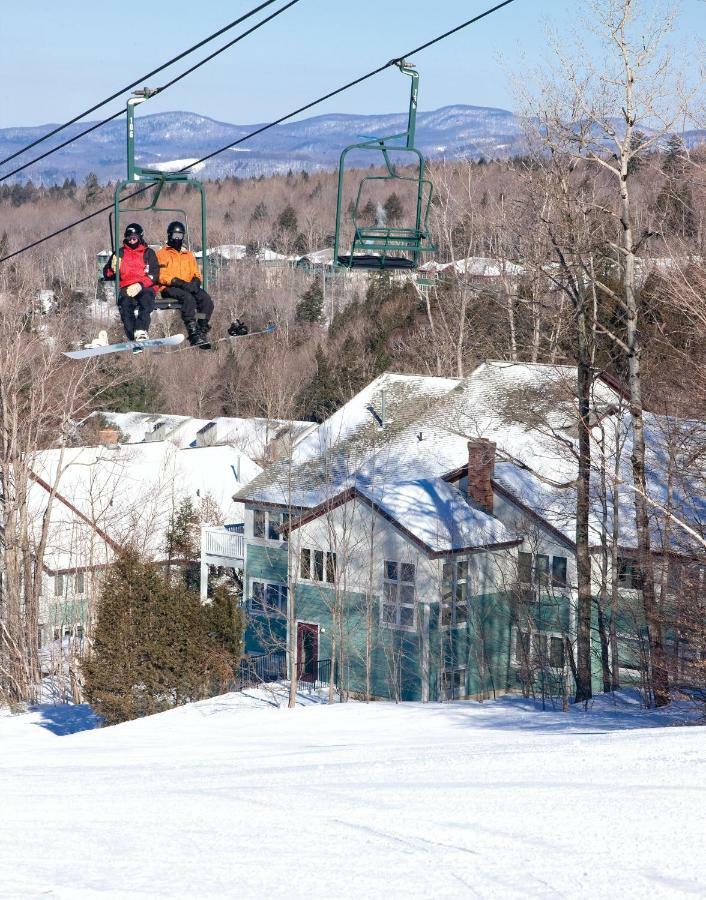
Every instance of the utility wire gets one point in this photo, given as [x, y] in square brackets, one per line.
[164, 87]
[142, 78]
[257, 131]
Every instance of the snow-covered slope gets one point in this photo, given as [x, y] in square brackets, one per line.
[223, 799]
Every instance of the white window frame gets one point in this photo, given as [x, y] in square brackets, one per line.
[329, 565]
[267, 609]
[392, 590]
[454, 602]
[534, 634]
[271, 517]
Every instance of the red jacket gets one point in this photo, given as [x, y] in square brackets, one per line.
[138, 265]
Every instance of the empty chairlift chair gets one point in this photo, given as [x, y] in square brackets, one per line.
[381, 246]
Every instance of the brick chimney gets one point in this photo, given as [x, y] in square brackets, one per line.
[481, 463]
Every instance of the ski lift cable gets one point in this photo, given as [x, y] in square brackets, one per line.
[258, 131]
[133, 84]
[164, 87]
[353, 83]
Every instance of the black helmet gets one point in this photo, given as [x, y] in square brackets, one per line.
[133, 229]
[176, 228]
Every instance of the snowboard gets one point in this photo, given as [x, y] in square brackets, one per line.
[230, 337]
[134, 346]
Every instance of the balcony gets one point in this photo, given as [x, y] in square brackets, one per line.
[220, 547]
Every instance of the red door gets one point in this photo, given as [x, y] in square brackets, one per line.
[307, 651]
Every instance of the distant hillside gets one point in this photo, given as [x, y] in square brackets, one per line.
[315, 143]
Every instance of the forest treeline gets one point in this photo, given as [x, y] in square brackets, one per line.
[335, 333]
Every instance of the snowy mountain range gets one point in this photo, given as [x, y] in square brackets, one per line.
[174, 139]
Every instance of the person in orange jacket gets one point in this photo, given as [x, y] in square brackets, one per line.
[180, 278]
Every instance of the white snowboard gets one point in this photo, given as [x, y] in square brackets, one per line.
[135, 346]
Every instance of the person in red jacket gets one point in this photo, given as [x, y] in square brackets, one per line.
[139, 272]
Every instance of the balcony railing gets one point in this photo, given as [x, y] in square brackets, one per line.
[223, 543]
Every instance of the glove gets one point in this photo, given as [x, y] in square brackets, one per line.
[178, 283]
[113, 262]
[194, 285]
[132, 290]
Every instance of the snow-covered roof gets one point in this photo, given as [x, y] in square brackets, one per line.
[137, 426]
[125, 493]
[227, 251]
[437, 514]
[319, 257]
[476, 267]
[403, 429]
[253, 436]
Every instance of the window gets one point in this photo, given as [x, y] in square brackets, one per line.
[629, 573]
[268, 525]
[330, 567]
[559, 571]
[79, 583]
[540, 570]
[398, 594]
[305, 563]
[454, 593]
[267, 597]
[538, 650]
[274, 526]
[556, 652]
[317, 565]
[57, 634]
[524, 565]
[79, 632]
[58, 585]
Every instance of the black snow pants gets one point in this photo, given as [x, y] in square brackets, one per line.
[136, 312]
[192, 302]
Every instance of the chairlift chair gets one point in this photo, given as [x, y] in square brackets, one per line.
[155, 181]
[380, 247]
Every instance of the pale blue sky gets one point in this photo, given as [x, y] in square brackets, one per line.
[61, 56]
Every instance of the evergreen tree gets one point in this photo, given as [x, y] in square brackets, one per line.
[393, 208]
[260, 213]
[311, 306]
[287, 219]
[368, 212]
[92, 187]
[156, 646]
[301, 244]
[320, 397]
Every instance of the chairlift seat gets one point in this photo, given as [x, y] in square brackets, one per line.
[167, 303]
[379, 241]
[373, 261]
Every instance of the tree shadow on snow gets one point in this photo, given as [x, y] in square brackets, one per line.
[64, 718]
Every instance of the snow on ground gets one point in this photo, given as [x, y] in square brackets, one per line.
[237, 797]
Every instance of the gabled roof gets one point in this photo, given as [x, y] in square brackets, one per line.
[125, 493]
[438, 516]
[527, 410]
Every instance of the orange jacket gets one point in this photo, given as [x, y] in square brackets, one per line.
[176, 264]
